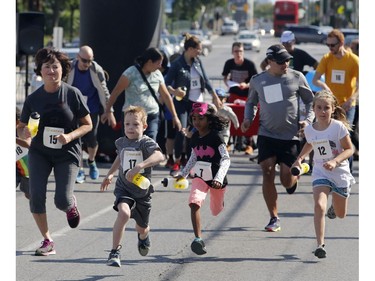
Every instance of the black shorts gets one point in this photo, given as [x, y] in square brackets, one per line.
[286, 151]
[90, 139]
[140, 207]
[171, 132]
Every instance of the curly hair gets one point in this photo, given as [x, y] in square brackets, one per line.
[50, 54]
[215, 121]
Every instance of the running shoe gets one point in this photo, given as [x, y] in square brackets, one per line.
[292, 189]
[273, 225]
[198, 246]
[94, 172]
[114, 258]
[169, 163]
[320, 252]
[175, 169]
[81, 176]
[73, 215]
[331, 213]
[47, 248]
[144, 245]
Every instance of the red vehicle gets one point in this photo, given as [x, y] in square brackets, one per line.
[285, 11]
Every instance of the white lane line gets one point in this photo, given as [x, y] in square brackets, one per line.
[66, 229]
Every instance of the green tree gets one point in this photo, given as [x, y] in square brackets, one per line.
[57, 13]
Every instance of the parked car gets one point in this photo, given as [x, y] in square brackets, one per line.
[308, 33]
[176, 41]
[166, 46]
[229, 27]
[250, 40]
[349, 32]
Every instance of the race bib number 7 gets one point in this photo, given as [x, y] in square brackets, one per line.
[203, 170]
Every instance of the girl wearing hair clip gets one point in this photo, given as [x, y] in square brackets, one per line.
[209, 162]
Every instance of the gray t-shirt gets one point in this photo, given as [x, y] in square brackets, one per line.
[138, 93]
[278, 97]
[130, 152]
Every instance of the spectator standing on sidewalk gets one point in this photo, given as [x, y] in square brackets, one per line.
[278, 91]
[64, 119]
[329, 137]
[88, 76]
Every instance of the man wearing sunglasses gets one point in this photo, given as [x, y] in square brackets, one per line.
[89, 77]
[300, 57]
[278, 91]
[341, 70]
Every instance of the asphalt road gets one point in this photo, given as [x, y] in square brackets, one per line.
[238, 247]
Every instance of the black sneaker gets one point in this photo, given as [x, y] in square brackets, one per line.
[331, 213]
[144, 245]
[292, 189]
[198, 246]
[320, 252]
[114, 258]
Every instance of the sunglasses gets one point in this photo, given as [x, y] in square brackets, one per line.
[199, 108]
[331, 45]
[85, 60]
[282, 62]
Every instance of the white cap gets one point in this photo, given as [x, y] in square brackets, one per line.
[287, 36]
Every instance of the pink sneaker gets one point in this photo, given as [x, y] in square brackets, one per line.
[73, 215]
[47, 248]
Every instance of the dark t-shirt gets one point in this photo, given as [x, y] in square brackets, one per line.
[300, 59]
[61, 109]
[82, 80]
[206, 149]
[239, 73]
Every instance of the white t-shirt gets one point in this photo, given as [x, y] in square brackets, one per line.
[327, 146]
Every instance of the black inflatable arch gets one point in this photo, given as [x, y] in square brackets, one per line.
[118, 31]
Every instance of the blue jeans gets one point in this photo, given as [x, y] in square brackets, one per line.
[153, 126]
[350, 115]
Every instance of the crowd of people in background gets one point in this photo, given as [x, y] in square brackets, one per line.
[164, 100]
